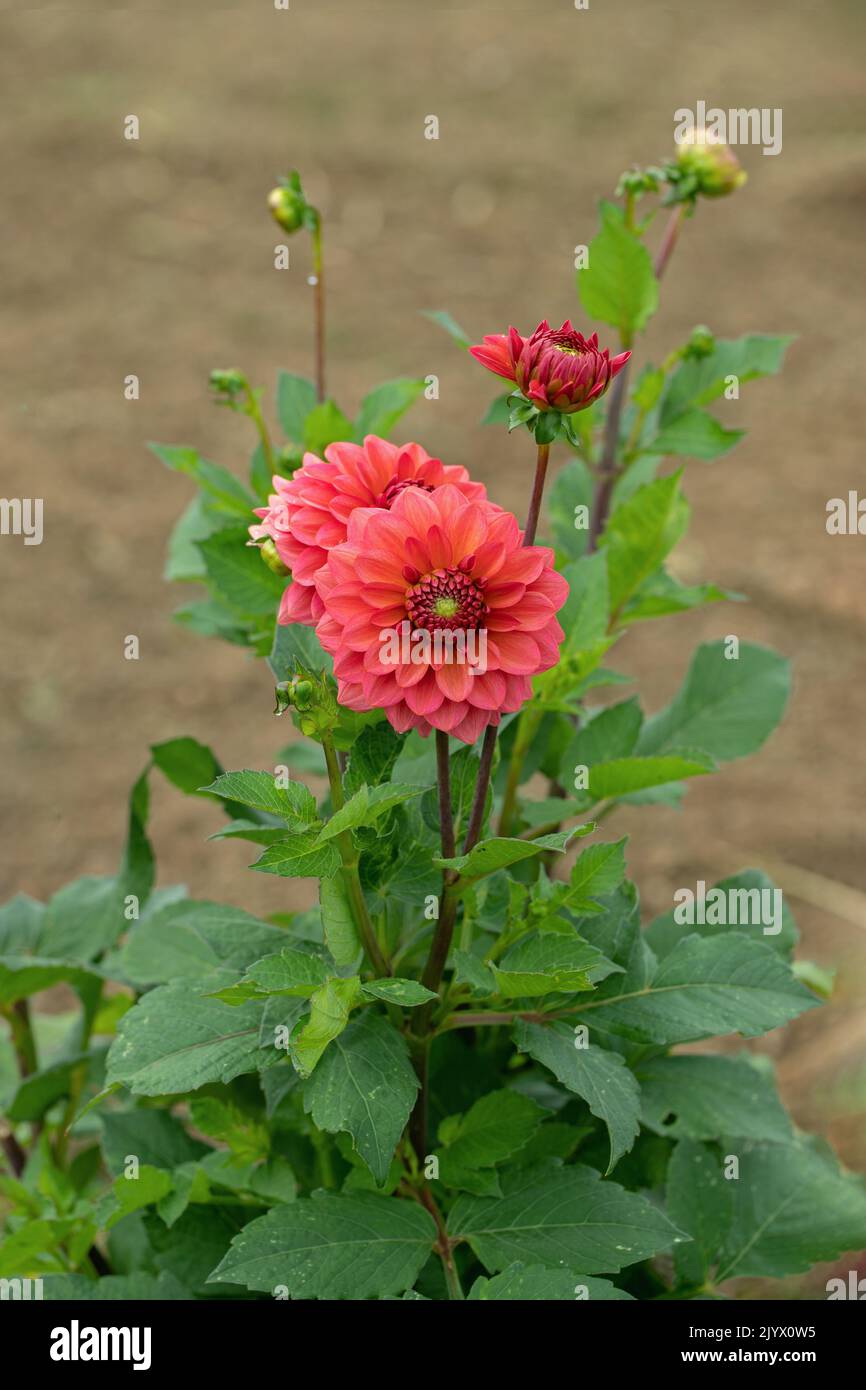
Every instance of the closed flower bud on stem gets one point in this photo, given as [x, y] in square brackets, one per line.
[710, 164]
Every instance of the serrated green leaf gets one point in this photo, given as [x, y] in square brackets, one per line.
[330, 1006]
[338, 922]
[693, 1097]
[196, 941]
[695, 434]
[498, 853]
[549, 963]
[701, 1201]
[554, 1216]
[293, 802]
[300, 856]
[706, 986]
[496, 1127]
[618, 286]
[525, 1283]
[333, 1247]
[600, 1078]
[365, 808]
[365, 1085]
[224, 490]
[174, 1040]
[792, 1209]
[406, 994]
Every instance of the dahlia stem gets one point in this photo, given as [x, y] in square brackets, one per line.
[254, 411]
[443, 770]
[669, 240]
[319, 306]
[349, 858]
[537, 493]
[479, 800]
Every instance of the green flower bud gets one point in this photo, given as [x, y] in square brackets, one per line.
[287, 206]
[270, 555]
[228, 383]
[313, 699]
[712, 164]
[701, 343]
[288, 460]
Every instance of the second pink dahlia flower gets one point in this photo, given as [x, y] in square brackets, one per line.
[308, 513]
[436, 612]
[555, 369]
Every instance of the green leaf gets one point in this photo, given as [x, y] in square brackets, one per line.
[225, 492]
[554, 1216]
[597, 871]
[37, 1092]
[338, 922]
[701, 380]
[384, 405]
[525, 1283]
[330, 1006]
[174, 1040]
[750, 900]
[238, 574]
[792, 1209]
[640, 534]
[406, 994]
[495, 1128]
[600, 1078]
[196, 941]
[21, 921]
[293, 803]
[297, 648]
[124, 1288]
[289, 972]
[584, 618]
[131, 1194]
[300, 856]
[695, 434]
[365, 1085]
[549, 963]
[618, 286]
[622, 776]
[154, 1136]
[451, 326]
[296, 399]
[706, 986]
[187, 764]
[326, 424]
[365, 808]
[469, 970]
[83, 919]
[21, 976]
[728, 708]
[661, 595]
[572, 489]
[499, 853]
[332, 1247]
[701, 1201]
[200, 520]
[692, 1097]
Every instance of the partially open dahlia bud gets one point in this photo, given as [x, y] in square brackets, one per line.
[555, 369]
[711, 163]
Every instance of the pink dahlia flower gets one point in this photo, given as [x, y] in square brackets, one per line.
[308, 513]
[436, 612]
[556, 369]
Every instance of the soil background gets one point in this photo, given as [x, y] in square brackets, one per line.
[155, 257]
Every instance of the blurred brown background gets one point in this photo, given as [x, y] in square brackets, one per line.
[156, 258]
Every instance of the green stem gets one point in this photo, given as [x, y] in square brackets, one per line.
[254, 410]
[349, 858]
[527, 726]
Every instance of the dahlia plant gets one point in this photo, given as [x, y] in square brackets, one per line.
[461, 1074]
